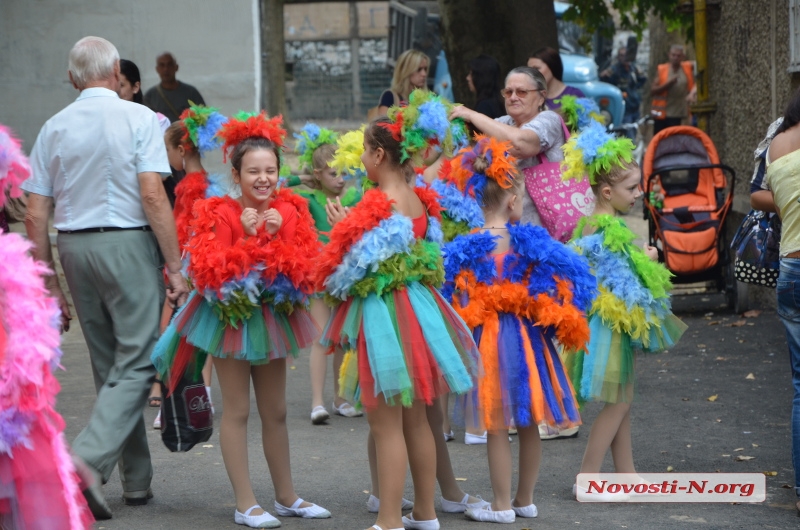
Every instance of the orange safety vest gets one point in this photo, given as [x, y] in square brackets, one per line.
[659, 107]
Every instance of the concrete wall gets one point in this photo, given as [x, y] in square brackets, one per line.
[213, 42]
[748, 79]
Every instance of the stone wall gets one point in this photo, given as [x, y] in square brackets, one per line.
[321, 83]
[748, 96]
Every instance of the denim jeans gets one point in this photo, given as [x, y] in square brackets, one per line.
[789, 310]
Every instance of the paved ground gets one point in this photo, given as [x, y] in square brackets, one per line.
[674, 425]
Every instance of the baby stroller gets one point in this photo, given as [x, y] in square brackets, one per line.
[687, 197]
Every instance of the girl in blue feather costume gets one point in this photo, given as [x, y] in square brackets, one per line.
[519, 291]
[632, 311]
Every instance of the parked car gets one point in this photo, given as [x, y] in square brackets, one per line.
[580, 70]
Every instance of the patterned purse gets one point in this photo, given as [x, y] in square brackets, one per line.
[560, 204]
[756, 247]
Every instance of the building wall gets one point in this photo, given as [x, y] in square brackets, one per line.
[212, 41]
[741, 61]
[748, 49]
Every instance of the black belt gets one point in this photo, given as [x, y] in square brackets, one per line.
[145, 228]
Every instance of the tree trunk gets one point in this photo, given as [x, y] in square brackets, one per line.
[508, 30]
[273, 60]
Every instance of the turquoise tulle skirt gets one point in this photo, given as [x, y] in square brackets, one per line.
[404, 345]
[265, 335]
[606, 371]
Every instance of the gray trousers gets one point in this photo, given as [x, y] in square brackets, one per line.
[117, 286]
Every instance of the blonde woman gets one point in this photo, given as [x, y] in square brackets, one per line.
[410, 72]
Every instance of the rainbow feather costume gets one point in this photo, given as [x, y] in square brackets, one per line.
[632, 311]
[518, 305]
[402, 339]
[249, 299]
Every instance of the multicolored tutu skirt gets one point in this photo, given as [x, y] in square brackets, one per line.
[524, 380]
[406, 345]
[606, 372]
[264, 336]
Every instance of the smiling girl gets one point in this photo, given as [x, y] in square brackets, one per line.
[251, 260]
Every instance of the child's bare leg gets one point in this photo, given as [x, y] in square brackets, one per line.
[208, 368]
[422, 457]
[446, 428]
[318, 361]
[530, 456]
[603, 431]
[473, 420]
[269, 381]
[234, 382]
[451, 491]
[499, 451]
[338, 357]
[391, 458]
[373, 463]
[622, 447]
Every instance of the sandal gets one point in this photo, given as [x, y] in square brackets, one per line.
[347, 410]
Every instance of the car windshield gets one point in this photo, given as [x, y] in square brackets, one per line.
[569, 34]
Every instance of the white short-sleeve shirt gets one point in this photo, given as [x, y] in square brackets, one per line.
[88, 157]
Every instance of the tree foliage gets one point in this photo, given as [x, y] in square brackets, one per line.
[595, 15]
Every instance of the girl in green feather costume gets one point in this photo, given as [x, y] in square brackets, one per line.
[632, 311]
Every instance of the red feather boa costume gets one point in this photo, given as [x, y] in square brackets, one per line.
[373, 208]
[213, 264]
[189, 190]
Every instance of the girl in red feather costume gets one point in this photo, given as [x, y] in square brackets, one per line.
[250, 264]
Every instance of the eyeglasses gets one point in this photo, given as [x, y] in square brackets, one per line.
[520, 92]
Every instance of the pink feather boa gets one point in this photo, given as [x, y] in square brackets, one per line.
[28, 386]
[14, 166]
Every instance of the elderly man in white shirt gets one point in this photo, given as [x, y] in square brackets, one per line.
[101, 161]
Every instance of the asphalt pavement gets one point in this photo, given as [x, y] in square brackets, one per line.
[723, 392]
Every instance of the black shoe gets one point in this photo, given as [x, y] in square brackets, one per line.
[92, 489]
[137, 498]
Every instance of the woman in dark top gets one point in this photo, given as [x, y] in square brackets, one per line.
[484, 82]
[410, 72]
[548, 61]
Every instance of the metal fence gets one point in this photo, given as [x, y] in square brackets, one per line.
[315, 95]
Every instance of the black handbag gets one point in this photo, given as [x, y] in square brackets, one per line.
[186, 418]
[756, 248]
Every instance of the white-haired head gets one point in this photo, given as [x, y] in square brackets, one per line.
[92, 59]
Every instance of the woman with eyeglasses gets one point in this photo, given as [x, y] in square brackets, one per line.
[528, 125]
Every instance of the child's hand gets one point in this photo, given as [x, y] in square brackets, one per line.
[336, 212]
[250, 221]
[272, 220]
[652, 252]
[306, 180]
